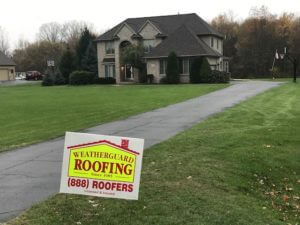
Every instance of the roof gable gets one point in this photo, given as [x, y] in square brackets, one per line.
[120, 28]
[148, 22]
[6, 61]
[166, 25]
[184, 43]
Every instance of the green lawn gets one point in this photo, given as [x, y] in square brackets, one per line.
[32, 113]
[238, 167]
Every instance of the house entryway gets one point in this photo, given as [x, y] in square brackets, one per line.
[127, 72]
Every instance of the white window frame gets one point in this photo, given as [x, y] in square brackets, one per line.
[164, 62]
[149, 46]
[110, 70]
[185, 71]
[109, 48]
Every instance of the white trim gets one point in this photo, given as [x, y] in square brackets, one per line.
[113, 48]
[188, 60]
[165, 66]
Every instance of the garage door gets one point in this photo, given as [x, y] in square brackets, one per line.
[3, 74]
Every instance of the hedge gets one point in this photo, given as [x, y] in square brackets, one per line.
[81, 78]
[219, 77]
[106, 80]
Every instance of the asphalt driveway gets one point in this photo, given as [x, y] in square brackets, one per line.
[31, 174]
[16, 82]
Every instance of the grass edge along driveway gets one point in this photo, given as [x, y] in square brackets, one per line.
[31, 113]
[238, 167]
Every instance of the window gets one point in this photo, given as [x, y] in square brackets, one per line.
[162, 66]
[212, 42]
[109, 47]
[217, 43]
[148, 45]
[226, 68]
[185, 66]
[110, 70]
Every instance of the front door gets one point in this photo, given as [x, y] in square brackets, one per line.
[128, 72]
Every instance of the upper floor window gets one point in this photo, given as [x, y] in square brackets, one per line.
[109, 47]
[148, 44]
[217, 43]
[212, 42]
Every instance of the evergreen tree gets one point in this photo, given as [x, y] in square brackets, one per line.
[67, 64]
[172, 70]
[205, 71]
[58, 78]
[195, 70]
[84, 41]
[89, 60]
[48, 79]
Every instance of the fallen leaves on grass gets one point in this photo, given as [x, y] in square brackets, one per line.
[285, 198]
[267, 146]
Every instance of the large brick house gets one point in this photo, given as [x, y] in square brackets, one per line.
[187, 35]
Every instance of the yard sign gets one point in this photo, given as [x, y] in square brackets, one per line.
[103, 166]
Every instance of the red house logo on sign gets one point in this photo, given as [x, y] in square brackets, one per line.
[124, 143]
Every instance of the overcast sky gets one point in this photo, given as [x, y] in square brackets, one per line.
[22, 18]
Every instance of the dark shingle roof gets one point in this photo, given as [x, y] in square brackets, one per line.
[5, 61]
[184, 43]
[166, 24]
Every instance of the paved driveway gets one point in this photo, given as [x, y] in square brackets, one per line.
[31, 174]
[16, 82]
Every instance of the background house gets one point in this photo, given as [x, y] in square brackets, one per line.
[187, 35]
[7, 68]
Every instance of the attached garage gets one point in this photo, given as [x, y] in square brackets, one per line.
[4, 74]
[7, 68]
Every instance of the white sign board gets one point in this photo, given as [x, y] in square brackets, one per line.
[101, 165]
[50, 63]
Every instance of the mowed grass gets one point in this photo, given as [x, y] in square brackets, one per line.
[32, 113]
[238, 167]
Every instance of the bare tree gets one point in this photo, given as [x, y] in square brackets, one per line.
[22, 43]
[72, 30]
[50, 32]
[4, 44]
[261, 13]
